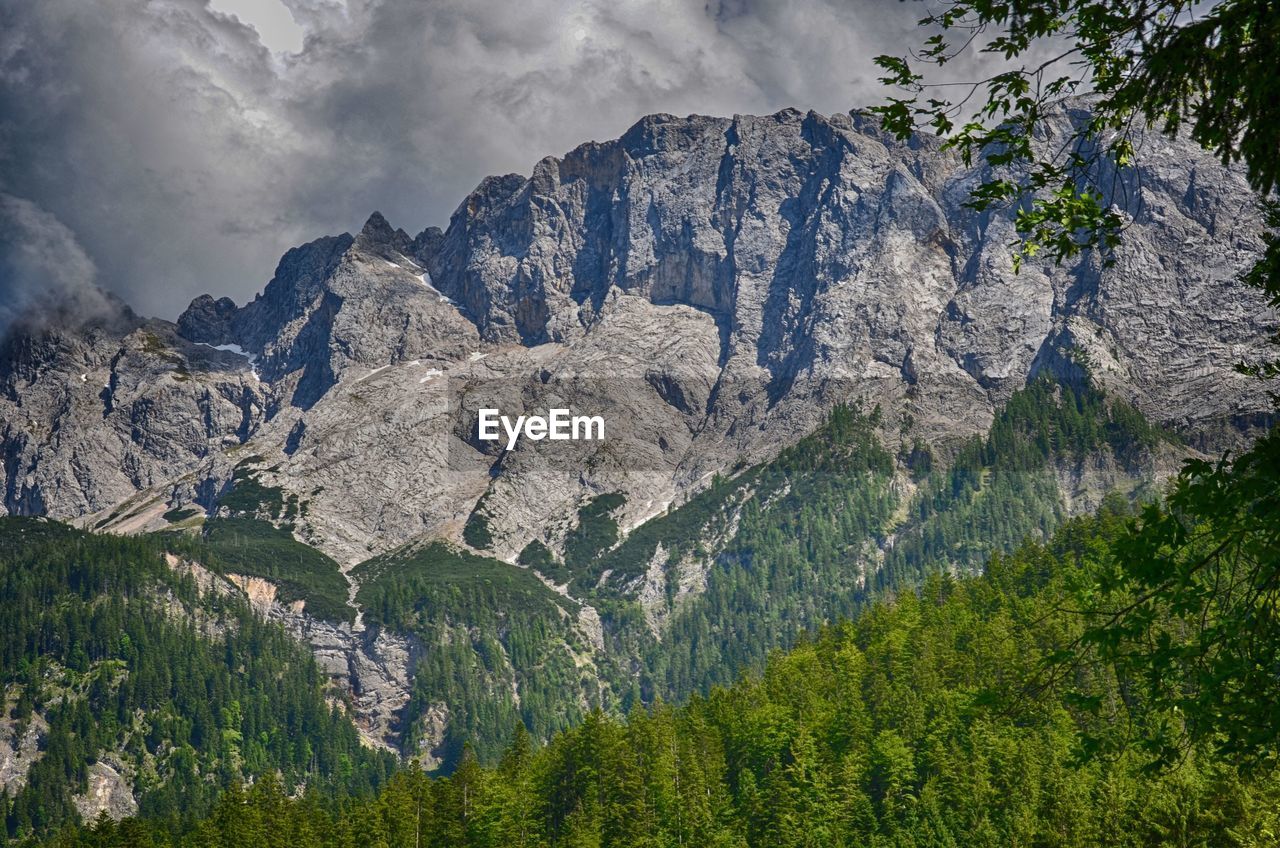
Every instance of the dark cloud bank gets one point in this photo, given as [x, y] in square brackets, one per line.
[162, 149]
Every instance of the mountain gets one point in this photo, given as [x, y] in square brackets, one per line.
[820, 379]
[715, 284]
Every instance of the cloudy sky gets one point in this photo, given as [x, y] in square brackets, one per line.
[166, 148]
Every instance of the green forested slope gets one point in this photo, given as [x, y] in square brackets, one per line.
[775, 551]
[187, 692]
[805, 543]
[909, 726]
[1001, 488]
[492, 631]
[251, 533]
[782, 549]
[813, 535]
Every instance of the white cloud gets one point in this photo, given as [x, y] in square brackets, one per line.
[271, 19]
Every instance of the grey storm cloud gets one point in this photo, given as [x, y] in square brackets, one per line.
[42, 264]
[184, 156]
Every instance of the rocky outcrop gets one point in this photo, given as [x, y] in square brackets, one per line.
[1085, 482]
[91, 414]
[339, 303]
[261, 593]
[20, 746]
[373, 667]
[208, 321]
[107, 792]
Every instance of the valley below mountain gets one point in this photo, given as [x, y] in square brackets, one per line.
[821, 381]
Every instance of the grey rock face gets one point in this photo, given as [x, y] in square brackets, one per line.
[208, 321]
[373, 666]
[108, 792]
[712, 285]
[823, 250]
[724, 281]
[340, 302]
[92, 414]
[20, 746]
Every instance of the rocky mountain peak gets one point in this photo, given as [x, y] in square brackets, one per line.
[378, 237]
[208, 321]
[338, 302]
[717, 284]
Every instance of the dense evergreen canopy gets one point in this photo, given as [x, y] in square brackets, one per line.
[901, 728]
[112, 649]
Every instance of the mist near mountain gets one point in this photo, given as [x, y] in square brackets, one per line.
[43, 269]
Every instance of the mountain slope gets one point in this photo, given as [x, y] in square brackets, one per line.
[450, 647]
[896, 729]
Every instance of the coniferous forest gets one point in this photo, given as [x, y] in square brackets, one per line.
[917, 723]
[916, 708]
[106, 646]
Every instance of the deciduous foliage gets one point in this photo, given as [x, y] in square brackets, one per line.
[1206, 69]
[1190, 604]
